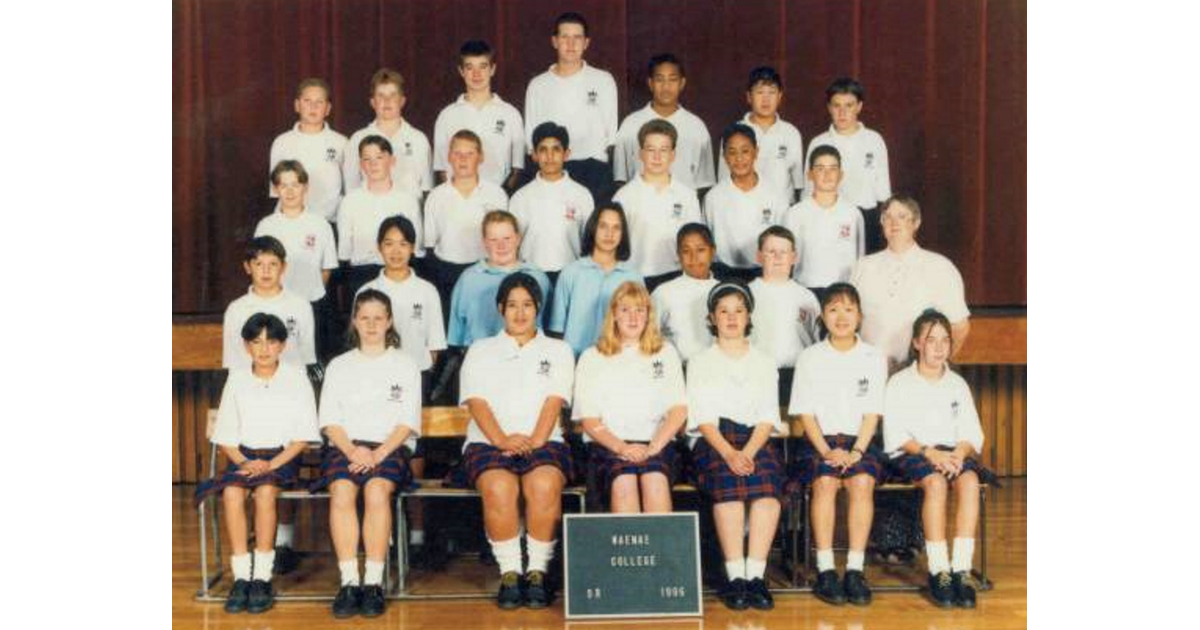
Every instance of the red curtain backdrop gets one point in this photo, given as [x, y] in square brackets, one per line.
[945, 83]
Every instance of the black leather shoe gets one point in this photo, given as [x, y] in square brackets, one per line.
[758, 595]
[829, 588]
[371, 602]
[856, 589]
[261, 597]
[236, 602]
[347, 602]
[286, 560]
[537, 591]
[941, 590]
[734, 594]
[964, 590]
[510, 596]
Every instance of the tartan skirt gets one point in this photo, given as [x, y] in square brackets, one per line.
[914, 468]
[608, 465]
[720, 484]
[809, 464]
[284, 477]
[479, 458]
[335, 465]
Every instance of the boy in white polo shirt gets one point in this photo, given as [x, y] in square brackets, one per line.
[657, 205]
[581, 98]
[830, 235]
[682, 303]
[694, 158]
[265, 263]
[780, 147]
[785, 314]
[412, 168]
[317, 146]
[479, 109]
[864, 155]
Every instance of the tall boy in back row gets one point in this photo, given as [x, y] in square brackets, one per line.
[314, 144]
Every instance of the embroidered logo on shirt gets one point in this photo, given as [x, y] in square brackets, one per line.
[570, 213]
[766, 216]
[310, 241]
[677, 211]
[657, 366]
[870, 160]
[407, 148]
[416, 311]
[544, 368]
[592, 97]
[331, 154]
[782, 152]
[396, 393]
[954, 409]
[844, 231]
[291, 325]
[863, 386]
[500, 127]
[803, 318]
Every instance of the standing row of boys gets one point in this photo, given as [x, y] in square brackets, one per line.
[637, 288]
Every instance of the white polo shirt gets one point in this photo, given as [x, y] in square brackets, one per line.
[682, 307]
[744, 390]
[413, 169]
[585, 103]
[654, 219]
[359, 219]
[515, 381]
[785, 319]
[323, 155]
[308, 241]
[693, 164]
[737, 218]
[498, 125]
[896, 288]
[865, 179]
[370, 396]
[265, 413]
[454, 223]
[828, 241]
[630, 392]
[294, 311]
[416, 314]
[839, 388]
[551, 216]
[780, 155]
[940, 413]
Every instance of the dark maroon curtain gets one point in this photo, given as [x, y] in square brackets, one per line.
[945, 86]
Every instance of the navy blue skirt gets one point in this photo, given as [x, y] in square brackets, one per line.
[809, 464]
[914, 468]
[335, 465]
[479, 458]
[720, 484]
[608, 465]
[283, 478]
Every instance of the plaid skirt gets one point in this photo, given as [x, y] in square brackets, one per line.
[284, 477]
[809, 464]
[608, 465]
[720, 484]
[914, 468]
[479, 458]
[335, 465]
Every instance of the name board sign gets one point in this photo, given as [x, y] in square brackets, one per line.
[631, 565]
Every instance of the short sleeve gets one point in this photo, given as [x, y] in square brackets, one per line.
[410, 413]
[701, 395]
[430, 221]
[435, 333]
[304, 427]
[329, 259]
[803, 388]
[562, 373]
[705, 177]
[676, 389]
[624, 155]
[441, 136]
[952, 300]
[767, 405]
[516, 140]
[587, 403]
[330, 411]
[308, 332]
[226, 431]
[969, 428]
[798, 175]
[896, 417]
[562, 300]
[231, 338]
[883, 179]
[879, 374]
[470, 383]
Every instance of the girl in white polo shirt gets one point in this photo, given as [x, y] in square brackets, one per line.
[630, 397]
[515, 384]
[371, 416]
[681, 302]
[838, 391]
[933, 434]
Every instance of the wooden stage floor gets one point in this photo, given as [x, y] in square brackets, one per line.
[1001, 608]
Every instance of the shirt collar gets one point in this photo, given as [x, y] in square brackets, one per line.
[512, 350]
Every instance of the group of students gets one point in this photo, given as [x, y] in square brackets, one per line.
[562, 299]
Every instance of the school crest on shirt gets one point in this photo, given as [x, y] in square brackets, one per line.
[417, 312]
[864, 385]
[677, 210]
[407, 148]
[766, 216]
[592, 97]
[499, 128]
[844, 231]
[544, 368]
[330, 154]
[570, 213]
[657, 369]
[782, 152]
[802, 317]
[290, 322]
[954, 409]
[310, 241]
[869, 160]
[395, 393]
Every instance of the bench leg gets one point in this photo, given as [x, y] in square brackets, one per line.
[984, 583]
[401, 546]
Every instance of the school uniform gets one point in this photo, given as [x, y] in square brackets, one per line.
[323, 155]
[838, 389]
[828, 241]
[412, 170]
[473, 312]
[631, 393]
[693, 164]
[295, 312]
[655, 217]
[737, 218]
[552, 216]
[784, 324]
[780, 156]
[416, 314]
[865, 180]
[261, 417]
[581, 297]
[682, 307]
[515, 381]
[735, 394]
[896, 288]
[454, 230]
[498, 125]
[308, 241]
[369, 397]
[359, 219]
[586, 104]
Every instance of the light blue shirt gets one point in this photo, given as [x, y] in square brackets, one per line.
[581, 299]
[473, 312]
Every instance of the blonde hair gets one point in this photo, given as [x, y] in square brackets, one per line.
[609, 342]
[384, 76]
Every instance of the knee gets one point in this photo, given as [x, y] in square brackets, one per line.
[233, 496]
[861, 486]
[341, 498]
[264, 495]
[377, 498]
[967, 483]
[825, 486]
[768, 505]
[544, 491]
[934, 485]
[499, 494]
[624, 488]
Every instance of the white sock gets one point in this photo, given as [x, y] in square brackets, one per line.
[964, 552]
[264, 562]
[373, 573]
[854, 560]
[755, 568]
[416, 537]
[241, 566]
[736, 569]
[284, 534]
[824, 559]
[349, 570]
[937, 556]
[540, 553]
[508, 554]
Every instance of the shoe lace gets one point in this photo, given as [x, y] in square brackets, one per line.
[509, 579]
[943, 579]
[535, 578]
[967, 579]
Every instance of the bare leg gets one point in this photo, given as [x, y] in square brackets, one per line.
[966, 491]
[861, 489]
[764, 519]
[377, 517]
[234, 500]
[542, 488]
[264, 517]
[730, 519]
[823, 510]
[623, 496]
[656, 493]
[933, 509]
[499, 490]
[343, 519]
